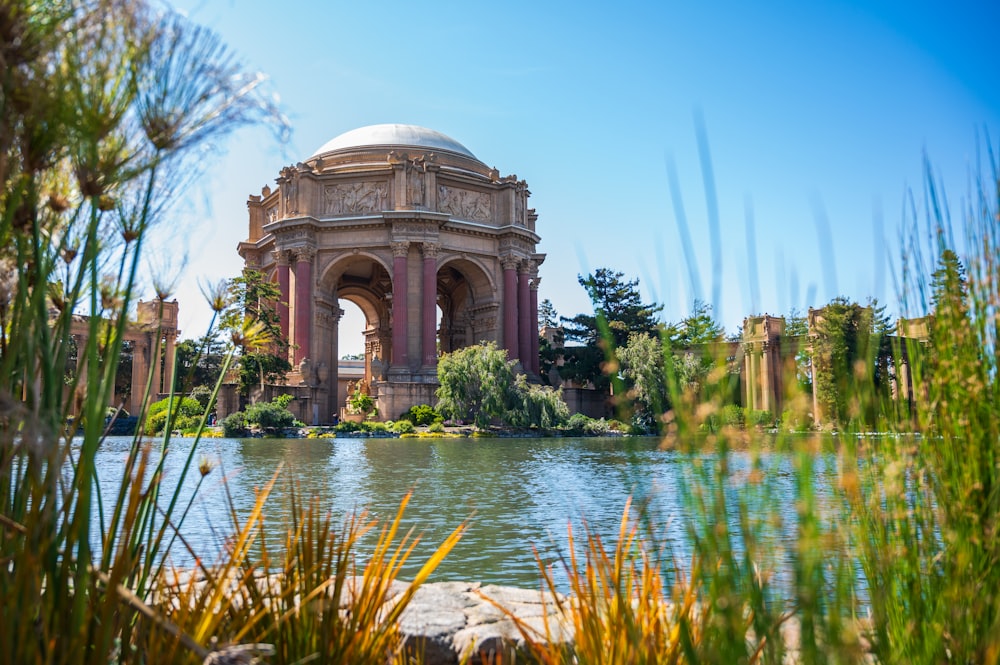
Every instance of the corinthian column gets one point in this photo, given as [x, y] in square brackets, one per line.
[533, 322]
[429, 306]
[281, 256]
[303, 303]
[510, 334]
[524, 314]
[400, 289]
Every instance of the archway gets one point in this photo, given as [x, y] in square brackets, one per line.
[463, 296]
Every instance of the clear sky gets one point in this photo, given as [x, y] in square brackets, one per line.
[815, 116]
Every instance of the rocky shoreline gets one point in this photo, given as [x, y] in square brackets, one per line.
[445, 621]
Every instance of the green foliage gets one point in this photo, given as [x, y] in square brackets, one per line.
[359, 402]
[476, 385]
[203, 395]
[199, 362]
[852, 360]
[282, 401]
[698, 327]
[182, 412]
[436, 427]
[583, 425]
[422, 414]
[547, 315]
[541, 406]
[644, 370]
[271, 415]
[253, 320]
[403, 427]
[234, 425]
[618, 312]
[268, 415]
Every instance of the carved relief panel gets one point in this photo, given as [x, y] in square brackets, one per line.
[355, 198]
[465, 203]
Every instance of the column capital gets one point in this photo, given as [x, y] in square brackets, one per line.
[282, 257]
[400, 248]
[430, 250]
[510, 262]
[305, 254]
[526, 267]
[535, 282]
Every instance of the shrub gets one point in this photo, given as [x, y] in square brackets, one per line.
[269, 415]
[159, 412]
[732, 415]
[403, 427]
[759, 418]
[348, 426]
[422, 414]
[436, 428]
[234, 425]
[374, 427]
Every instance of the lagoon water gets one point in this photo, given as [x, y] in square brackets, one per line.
[520, 495]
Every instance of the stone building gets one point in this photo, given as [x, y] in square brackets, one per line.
[437, 250]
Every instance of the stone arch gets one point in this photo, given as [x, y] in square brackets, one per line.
[465, 294]
[362, 278]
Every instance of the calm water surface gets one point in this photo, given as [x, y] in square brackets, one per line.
[520, 493]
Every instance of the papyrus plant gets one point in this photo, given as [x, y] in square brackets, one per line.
[104, 106]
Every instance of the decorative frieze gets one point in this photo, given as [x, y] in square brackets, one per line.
[465, 203]
[355, 198]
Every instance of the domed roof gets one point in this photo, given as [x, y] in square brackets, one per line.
[393, 135]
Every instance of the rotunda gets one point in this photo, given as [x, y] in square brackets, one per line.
[403, 221]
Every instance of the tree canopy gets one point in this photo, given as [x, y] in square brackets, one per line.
[618, 312]
[253, 318]
[478, 385]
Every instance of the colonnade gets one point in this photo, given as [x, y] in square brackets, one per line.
[153, 338]
[296, 309]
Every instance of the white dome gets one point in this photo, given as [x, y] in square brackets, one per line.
[392, 135]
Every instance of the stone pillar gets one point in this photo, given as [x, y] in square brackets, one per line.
[156, 343]
[140, 374]
[303, 303]
[428, 307]
[400, 290]
[510, 334]
[765, 377]
[168, 362]
[281, 257]
[747, 377]
[524, 315]
[533, 322]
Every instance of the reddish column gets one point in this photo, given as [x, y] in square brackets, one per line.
[303, 304]
[534, 324]
[524, 316]
[282, 305]
[429, 306]
[510, 334]
[400, 288]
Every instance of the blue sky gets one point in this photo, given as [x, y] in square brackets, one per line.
[816, 117]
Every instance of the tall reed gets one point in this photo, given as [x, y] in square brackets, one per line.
[887, 550]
